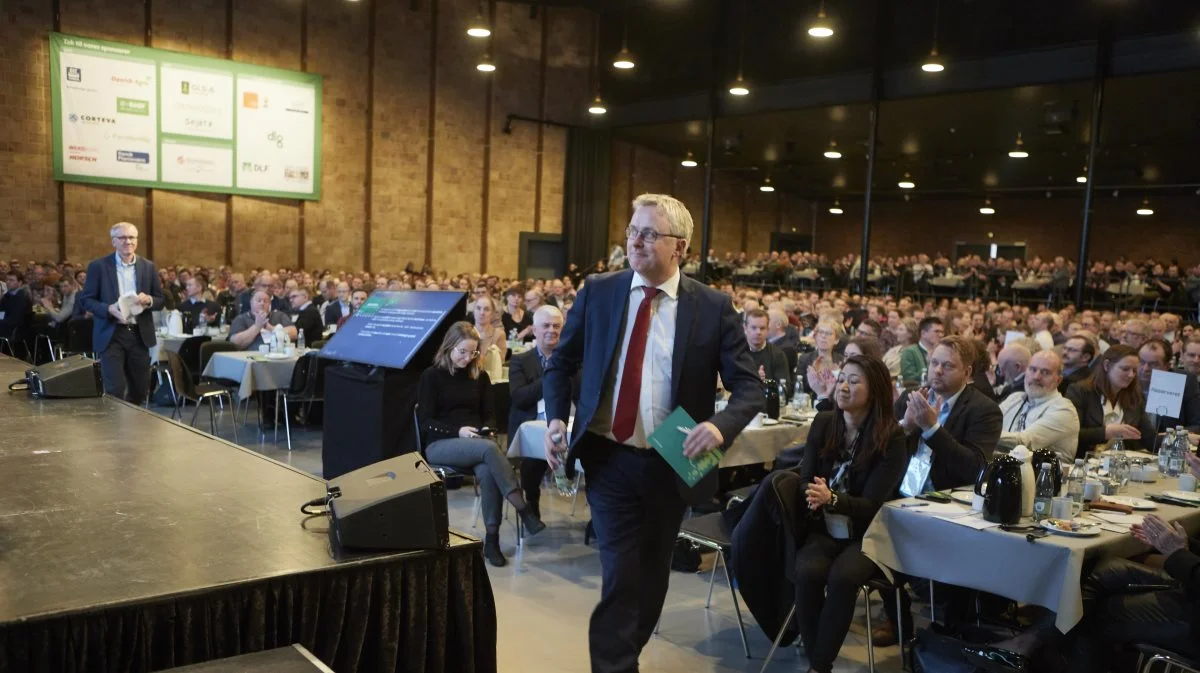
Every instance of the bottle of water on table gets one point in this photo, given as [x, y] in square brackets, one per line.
[1165, 450]
[1075, 481]
[1044, 493]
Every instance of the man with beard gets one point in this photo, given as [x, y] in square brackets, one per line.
[1039, 416]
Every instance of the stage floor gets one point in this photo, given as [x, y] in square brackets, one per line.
[108, 505]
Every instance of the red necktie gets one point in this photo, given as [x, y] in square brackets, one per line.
[630, 392]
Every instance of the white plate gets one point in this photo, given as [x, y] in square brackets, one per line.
[965, 497]
[1136, 503]
[1190, 496]
[1086, 530]
[277, 356]
[770, 421]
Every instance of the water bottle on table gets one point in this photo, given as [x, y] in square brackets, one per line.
[565, 486]
[1045, 493]
[1075, 481]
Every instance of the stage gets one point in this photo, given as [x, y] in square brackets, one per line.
[129, 542]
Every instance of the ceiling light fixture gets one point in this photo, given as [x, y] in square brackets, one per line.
[739, 86]
[1018, 151]
[933, 62]
[624, 58]
[766, 186]
[907, 182]
[485, 64]
[986, 208]
[597, 107]
[1145, 208]
[479, 26]
[689, 161]
[832, 152]
[836, 208]
[821, 28]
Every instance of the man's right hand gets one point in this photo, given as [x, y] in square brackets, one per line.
[260, 319]
[1121, 431]
[115, 312]
[555, 451]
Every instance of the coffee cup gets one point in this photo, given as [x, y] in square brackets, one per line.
[264, 349]
[1064, 507]
[1091, 490]
[977, 503]
[1187, 482]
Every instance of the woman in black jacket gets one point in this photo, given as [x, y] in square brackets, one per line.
[454, 405]
[853, 462]
[1110, 403]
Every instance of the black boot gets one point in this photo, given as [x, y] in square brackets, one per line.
[491, 550]
[531, 521]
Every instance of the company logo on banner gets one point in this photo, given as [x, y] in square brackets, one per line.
[121, 138]
[196, 164]
[133, 106]
[82, 153]
[298, 107]
[131, 157]
[277, 138]
[251, 167]
[138, 82]
[251, 100]
[188, 89]
[197, 123]
[74, 74]
[296, 173]
[90, 119]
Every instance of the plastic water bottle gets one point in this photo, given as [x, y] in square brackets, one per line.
[202, 322]
[782, 392]
[300, 339]
[1075, 481]
[797, 391]
[1175, 460]
[1165, 450]
[565, 486]
[899, 386]
[1045, 493]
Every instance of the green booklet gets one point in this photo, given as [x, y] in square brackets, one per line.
[668, 438]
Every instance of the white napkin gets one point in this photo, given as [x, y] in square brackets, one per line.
[129, 305]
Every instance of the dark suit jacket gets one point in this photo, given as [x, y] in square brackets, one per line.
[102, 290]
[333, 312]
[774, 364]
[1078, 376]
[17, 308]
[708, 340]
[525, 388]
[1014, 386]
[872, 482]
[964, 443]
[309, 322]
[1091, 420]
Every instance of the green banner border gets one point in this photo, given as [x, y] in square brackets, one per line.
[159, 57]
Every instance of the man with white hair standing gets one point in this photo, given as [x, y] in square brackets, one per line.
[123, 340]
[1039, 417]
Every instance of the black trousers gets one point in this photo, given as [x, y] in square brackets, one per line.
[636, 511]
[125, 364]
[533, 471]
[1114, 615]
[829, 574]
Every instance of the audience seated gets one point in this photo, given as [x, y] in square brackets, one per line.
[1039, 417]
[769, 360]
[1154, 355]
[1079, 352]
[305, 316]
[339, 307]
[825, 339]
[1110, 403]
[194, 304]
[247, 329]
[914, 359]
[15, 309]
[357, 299]
[1011, 364]
[454, 404]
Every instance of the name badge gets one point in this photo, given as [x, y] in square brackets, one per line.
[838, 526]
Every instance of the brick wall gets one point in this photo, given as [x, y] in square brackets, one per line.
[195, 228]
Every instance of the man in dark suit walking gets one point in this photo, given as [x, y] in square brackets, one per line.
[647, 340]
[123, 340]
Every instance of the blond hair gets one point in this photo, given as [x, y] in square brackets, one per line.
[459, 332]
[672, 210]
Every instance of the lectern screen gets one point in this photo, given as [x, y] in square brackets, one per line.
[392, 327]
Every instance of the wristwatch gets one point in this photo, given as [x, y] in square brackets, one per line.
[833, 500]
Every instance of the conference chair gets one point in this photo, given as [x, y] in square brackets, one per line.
[52, 352]
[189, 351]
[79, 338]
[1153, 659]
[307, 386]
[446, 472]
[184, 390]
[706, 531]
[206, 352]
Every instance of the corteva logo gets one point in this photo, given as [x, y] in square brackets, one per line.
[90, 119]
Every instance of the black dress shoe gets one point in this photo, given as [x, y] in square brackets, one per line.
[491, 551]
[531, 521]
[996, 659]
[588, 533]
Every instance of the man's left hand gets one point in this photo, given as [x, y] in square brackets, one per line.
[1167, 538]
[703, 438]
[145, 299]
[924, 414]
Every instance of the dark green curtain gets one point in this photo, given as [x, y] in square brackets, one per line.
[585, 198]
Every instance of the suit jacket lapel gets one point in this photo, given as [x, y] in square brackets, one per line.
[685, 316]
[616, 317]
[959, 405]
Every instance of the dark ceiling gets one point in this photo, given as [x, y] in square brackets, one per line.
[952, 144]
[958, 144]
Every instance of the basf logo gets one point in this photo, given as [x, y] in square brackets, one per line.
[74, 74]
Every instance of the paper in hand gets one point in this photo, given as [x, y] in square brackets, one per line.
[668, 438]
[130, 306]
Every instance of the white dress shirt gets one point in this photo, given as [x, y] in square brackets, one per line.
[126, 278]
[654, 403]
[1050, 423]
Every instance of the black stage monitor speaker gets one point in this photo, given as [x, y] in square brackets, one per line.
[398, 503]
[70, 377]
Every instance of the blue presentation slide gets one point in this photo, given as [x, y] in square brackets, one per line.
[391, 327]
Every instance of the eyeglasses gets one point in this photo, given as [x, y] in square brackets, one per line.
[125, 238]
[465, 353]
[648, 235]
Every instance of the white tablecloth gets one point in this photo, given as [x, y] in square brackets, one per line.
[1030, 284]
[753, 446]
[252, 369]
[946, 281]
[1045, 572]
